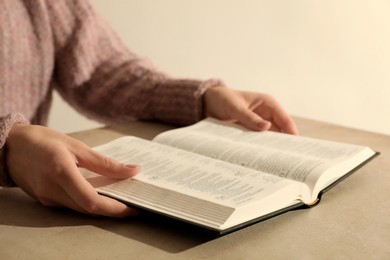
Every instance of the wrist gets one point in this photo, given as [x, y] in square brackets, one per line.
[211, 100]
[7, 125]
[6, 179]
[208, 87]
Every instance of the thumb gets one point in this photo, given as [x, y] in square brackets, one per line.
[101, 164]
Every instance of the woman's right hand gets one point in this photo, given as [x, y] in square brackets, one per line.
[44, 163]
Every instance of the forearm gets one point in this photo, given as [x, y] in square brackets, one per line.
[182, 101]
[99, 76]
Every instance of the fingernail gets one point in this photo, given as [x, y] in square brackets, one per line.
[264, 125]
[132, 166]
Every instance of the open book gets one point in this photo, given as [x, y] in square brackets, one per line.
[223, 177]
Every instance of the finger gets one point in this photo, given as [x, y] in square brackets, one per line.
[60, 200]
[281, 121]
[86, 199]
[104, 165]
[275, 128]
[251, 120]
[68, 202]
[284, 122]
[288, 126]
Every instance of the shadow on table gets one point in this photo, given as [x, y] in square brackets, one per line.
[18, 209]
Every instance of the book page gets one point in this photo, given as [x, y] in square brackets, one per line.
[178, 182]
[294, 157]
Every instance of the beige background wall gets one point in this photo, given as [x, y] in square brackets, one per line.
[326, 60]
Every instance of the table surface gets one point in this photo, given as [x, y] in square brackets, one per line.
[351, 222]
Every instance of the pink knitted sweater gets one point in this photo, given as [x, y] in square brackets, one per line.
[64, 45]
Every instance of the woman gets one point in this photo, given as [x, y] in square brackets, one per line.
[65, 45]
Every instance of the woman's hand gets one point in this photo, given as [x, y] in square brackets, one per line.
[256, 111]
[44, 163]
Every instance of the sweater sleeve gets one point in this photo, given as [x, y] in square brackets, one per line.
[6, 124]
[99, 76]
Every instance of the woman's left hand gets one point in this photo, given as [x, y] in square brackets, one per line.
[255, 111]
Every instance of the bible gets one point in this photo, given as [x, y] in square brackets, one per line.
[223, 177]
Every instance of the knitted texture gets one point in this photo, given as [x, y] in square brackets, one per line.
[65, 45]
[6, 124]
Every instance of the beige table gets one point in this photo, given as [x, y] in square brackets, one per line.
[351, 222]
